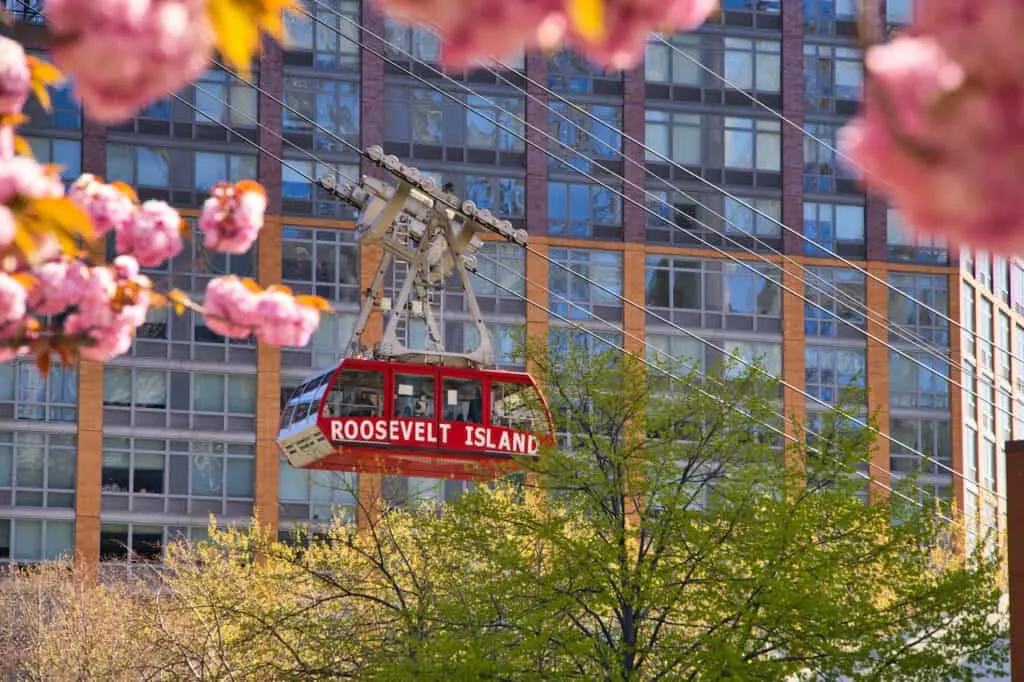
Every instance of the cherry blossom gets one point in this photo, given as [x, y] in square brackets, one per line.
[941, 132]
[25, 178]
[13, 300]
[152, 235]
[284, 321]
[15, 77]
[613, 35]
[110, 206]
[231, 307]
[232, 216]
[61, 284]
[110, 309]
[126, 54]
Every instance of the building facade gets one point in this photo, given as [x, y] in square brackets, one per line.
[106, 461]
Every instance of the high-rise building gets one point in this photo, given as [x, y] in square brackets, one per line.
[97, 459]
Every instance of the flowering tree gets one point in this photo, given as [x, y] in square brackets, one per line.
[56, 299]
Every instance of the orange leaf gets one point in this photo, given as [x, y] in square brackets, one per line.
[13, 120]
[124, 189]
[43, 362]
[26, 280]
[252, 286]
[22, 147]
[43, 74]
[315, 302]
[280, 288]
[179, 299]
[243, 186]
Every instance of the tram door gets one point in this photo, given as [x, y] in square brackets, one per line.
[414, 408]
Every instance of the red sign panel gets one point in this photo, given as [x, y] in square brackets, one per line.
[423, 433]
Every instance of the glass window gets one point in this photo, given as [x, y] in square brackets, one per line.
[232, 393]
[832, 226]
[356, 393]
[321, 262]
[518, 406]
[411, 42]
[753, 64]
[29, 540]
[899, 11]
[753, 144]
[126, 387]
[723, 291]
[463, 400]
[831, 75]
[226, 99]
[38, 469]
[214, 167]
[767, 356]
[665, 65]
[580, 138]
[675, 350]
[578, 210]
[834, 294]
[931, 438]
[740, 216]
[574, 296]
[572, 74]
[909, 246]
[920, 383]
[65, 153]
[38, 398]
[332, 40]
[331, 104]
[497, 123]
[828, 371]
[922, 309]
[986, 356]
[672, 135]
[414, 396]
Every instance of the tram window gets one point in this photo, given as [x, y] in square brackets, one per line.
[356, 393]
[517, 406]
[414, 396]
[463, 400]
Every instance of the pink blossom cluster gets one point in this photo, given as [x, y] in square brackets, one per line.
[15, 77]
[941, 132]
[126, 54]
[232, 216]
[151, 233]
[236, 310]
[23, 179]
[13, 308]
[481, 30]
[109, 308]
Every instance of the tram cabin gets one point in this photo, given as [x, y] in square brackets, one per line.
[414, 420]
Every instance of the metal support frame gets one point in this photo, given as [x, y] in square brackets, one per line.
[435, 235]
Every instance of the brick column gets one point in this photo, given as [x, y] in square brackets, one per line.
[268, 385]
[794, 403]
[956, 405]
[270, 80]
[537, 291]
[1015, 552]
[634, 288]
[89, 467]
[536, 159]
[371, 112]
[877, 300]
[634, 218]
[793, 138]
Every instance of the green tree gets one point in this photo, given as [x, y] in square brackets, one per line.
[665, 538]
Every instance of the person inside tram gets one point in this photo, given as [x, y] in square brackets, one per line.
[422, 409]
[474, 412]
[364, 406]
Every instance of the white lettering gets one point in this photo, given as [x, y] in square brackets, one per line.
[424, 432]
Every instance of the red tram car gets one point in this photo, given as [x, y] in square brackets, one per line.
[416, 412]
[414, 420]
